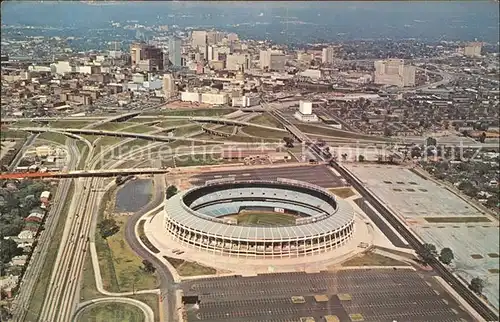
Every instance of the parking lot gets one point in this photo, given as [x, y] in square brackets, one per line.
[319, 175]
[375, 294]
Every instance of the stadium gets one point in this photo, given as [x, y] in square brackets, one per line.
[260, 219]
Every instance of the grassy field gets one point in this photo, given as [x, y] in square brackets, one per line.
[152, 300]
[114, 126]
[90, 138]
[13, 134]
[84, 150]
[342, 192]
[183, 130]
[69, 124]
[88, 288]
[451, 220]
[40, 288]
[267, 120]
[185, 268]
[264, 133]
[54, 137]
[171, 123]
[144, 238]
[25, 123]
[127, 265]
[264, 218]
[372, 259]
[336, 133]
[140, 128]
[120, 151]
[104, 142]
[112, 312]
[244, 138]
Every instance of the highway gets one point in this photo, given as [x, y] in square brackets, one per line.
[404, 231]
[60, 299]
[37, 261]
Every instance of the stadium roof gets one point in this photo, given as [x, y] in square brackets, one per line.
[182, 214]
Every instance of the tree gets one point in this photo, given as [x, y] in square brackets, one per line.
[148, 266]
[171, 191]
[108, 227]
[361, 158]
[8, 249]
[428, 253]
[387, 131]
[482, 137]
[446, 256]
[430, 141]
[476, 285]
[288, 142]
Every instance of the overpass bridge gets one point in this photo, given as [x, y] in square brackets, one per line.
[149, 137]
[82, 173]
[199, 119]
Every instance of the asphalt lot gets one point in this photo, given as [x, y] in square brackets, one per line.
[376, 294]
[319, 175]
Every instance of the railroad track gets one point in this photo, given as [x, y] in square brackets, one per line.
[459, 287]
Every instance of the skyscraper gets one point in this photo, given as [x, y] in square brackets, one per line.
[144, 54]
[327, 55]
[169, 87]
[174, 51]
[198, 38]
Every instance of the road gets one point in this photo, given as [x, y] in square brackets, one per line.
[60, 299]
[460, 288]
[37, 261]
[21, 152]
[167, 283]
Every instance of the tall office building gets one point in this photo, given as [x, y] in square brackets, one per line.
[272, 60]
[214, 37]
[327, 55]
[473, 49]
[142, 54]
[169, 87]
[210, 53]
[174, 51]
[198, 38]
[394, 72]
[236, 62]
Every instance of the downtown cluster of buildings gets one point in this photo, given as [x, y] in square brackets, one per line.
[203, 67]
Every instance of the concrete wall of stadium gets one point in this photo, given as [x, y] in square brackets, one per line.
[277, 248]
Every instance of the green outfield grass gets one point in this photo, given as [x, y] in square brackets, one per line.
[264, 218]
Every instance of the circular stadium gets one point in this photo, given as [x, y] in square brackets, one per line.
[259, 219]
